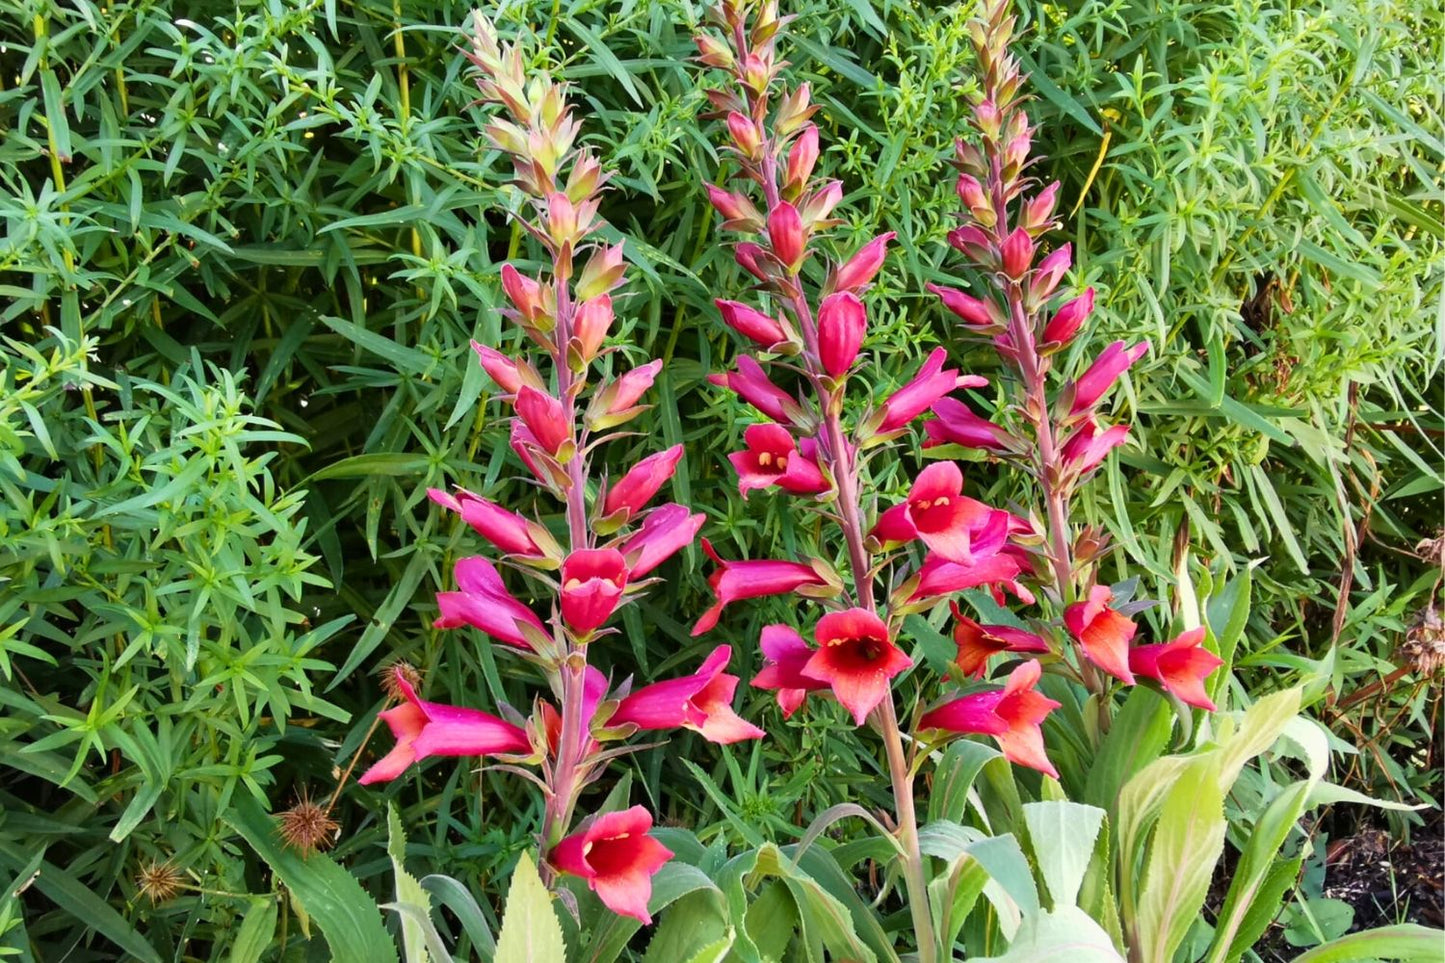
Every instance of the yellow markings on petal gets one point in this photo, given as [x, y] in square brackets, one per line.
[765, 458]
[572, 584]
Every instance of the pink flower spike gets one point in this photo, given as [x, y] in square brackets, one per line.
[701, 702]
[772, 459]
[1012, 718]
[856, 658]
[968, 309]
[1066, 321]
[750, 579]
[955, 424]
[483, 602]
[617, 858]
[510, 532]
[592, 584]
[1103, 633]
[636, 488]
[977, 643]
[785, 232]
[761, 328]
[932, 382]
[752, 385]
[544, 418]
[424, 729]
[1180, 666]
[786, 654]
[841, 325]
[1088, 446]
[667, 530]
[1016, 253]
[591, 323]
[1112, 362]
[863, 267]
[628, 390]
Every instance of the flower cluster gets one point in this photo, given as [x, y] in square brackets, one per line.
[564, 411]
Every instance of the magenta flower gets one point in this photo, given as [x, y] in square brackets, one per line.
[856, 658]
[666, 530]
[635, 489]
[483, 602]
[955, 424]
[752, 385]
[1103, 632]
[767, 331]
[785, 231]
[592, 583]
[1016, 253]
[937, 512]
[1069, 318]
[802, 157]
[701, 702]
[771, 458]
[544, 418]
[786, 654]
[939, 577]
[970, 310]
[510, 532]
[525, 444]
[617, 858]
[750, 579]
[978, 643]
[1180, 666]
[860, 270]
[745, 135]
[1011, 716]
[1106, 369]
[1088, 446]
[424, 729]
[931, 383]
[841, 325]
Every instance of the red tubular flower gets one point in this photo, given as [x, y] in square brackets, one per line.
[977, 643]
[592, 584]
[941, 516]
[786, 654]
[765, 330]
[1011, 716]
[939, 577]
[841, 325]
[863, 267]
[544, 418]
[750, 579]
[968, 309]
[1106, 369]
[1088, 446]
[590, 324]
[932, 382]
[701, 702]
[635, 489]
[1103, 633]
[483, 602]
[772, 459]
[752, 385]
[1067, 320]
[1016, 253]
[510, 532]
[955, 424]
[617, 857]
[666, 530]
[1180, 666]
[785, 231]
[424, 729]
[856, 658]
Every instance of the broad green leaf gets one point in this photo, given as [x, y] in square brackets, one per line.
[1061, 835]
[253, 936]
[408, 891]
[1406, 942]
[530, 930]
[1066, 935]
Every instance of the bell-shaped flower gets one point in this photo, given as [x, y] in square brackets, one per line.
[701, 702]
[978, 643]
[510, 532]
[786, 654]
[592, 583]
[1011, 716]
[617, 858]
[955, 424]
[938, 513]
[1103, 632]
[667, 530]
[1088, 446]
[771, 458]
[1180, 666]
[1068, 318]
[635, 489]
[785, 231]
[860, 269]
[544, 417]
[765, 330]
[483, 602]
[750, 579]
[932, 382]
[424, 729]
[842, 323]
[752, 385]
[1106, 369]
[856, 658]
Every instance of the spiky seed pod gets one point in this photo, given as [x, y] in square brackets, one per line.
[394, 673]
[307, 827]
[1424, 645]
[159, 881]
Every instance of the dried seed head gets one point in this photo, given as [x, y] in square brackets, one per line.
[1424, 645]
[393, 673]
[307, 827]
[159, 882]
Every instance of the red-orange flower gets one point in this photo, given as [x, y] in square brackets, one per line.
[856, 658]
[787, 655]
[617, 857]
[1011, 716]
[1103, 632]
[977, 643]
[1180, 666]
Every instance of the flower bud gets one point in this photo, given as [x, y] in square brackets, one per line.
[862, 267]
[988, 119]
[713, 51]
[602, 273]
[1066, 321]
[785, 231]
[971, 192]
[745, 135]
[751, 258]
[1016, 253]
[803, 157]
[841, 325]
[972, 242]
[591, 323]
[1040, 208]
[508, 374]
[817, 206]
[1050, 271]
[794, 111]
[524, 293]
[970, 309]
[629, 389]
[767, 331]
[544, 418]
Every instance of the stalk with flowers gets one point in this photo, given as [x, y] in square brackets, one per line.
[567, 405]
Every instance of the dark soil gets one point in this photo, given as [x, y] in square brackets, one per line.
[1388, 882]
